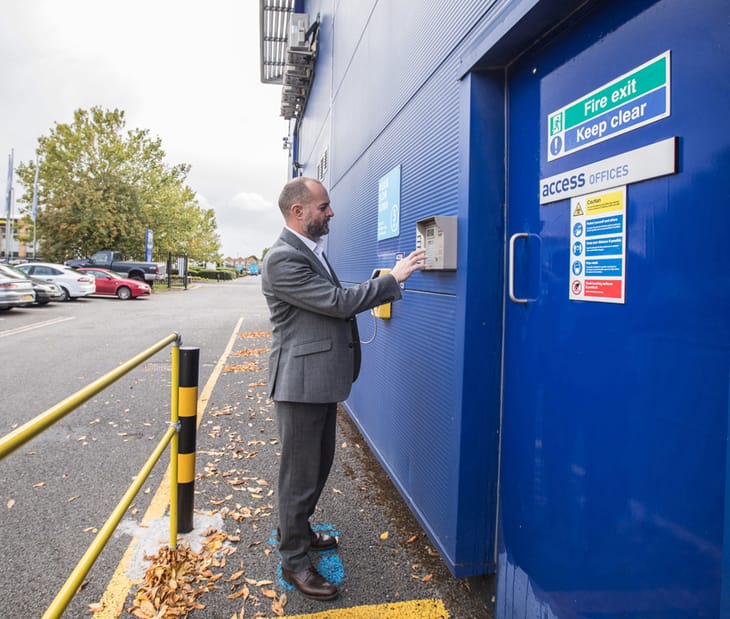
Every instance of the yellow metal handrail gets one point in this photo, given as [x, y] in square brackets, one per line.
[18, 437]
[73, 582]
[34, 427]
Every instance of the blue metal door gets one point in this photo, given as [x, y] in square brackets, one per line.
[615, 415]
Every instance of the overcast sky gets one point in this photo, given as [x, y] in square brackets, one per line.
[188, 71]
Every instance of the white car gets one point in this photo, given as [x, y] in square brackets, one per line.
[73, 284]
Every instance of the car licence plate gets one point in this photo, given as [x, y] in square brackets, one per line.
[27, 297]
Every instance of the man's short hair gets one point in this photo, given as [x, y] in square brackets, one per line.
[296, 191]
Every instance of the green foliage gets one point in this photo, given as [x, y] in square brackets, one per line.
[230, 273]
[217, 274]
[101, 186]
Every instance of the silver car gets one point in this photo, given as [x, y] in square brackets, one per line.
[45, 292]
[14, 291]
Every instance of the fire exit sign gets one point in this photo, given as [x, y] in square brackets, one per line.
[632, 100]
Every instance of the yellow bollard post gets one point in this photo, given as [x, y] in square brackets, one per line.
[174, 442]
[189, 365]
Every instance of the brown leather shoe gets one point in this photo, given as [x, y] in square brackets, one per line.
[317, 541]
[311, 583]
[322, 541]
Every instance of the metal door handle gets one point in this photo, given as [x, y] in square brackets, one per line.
[511, 267]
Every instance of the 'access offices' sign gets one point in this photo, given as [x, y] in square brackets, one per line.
[632, 100]
[640, 164]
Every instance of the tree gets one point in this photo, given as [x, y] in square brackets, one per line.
[100, 187]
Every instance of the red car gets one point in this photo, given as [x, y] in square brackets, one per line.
[108, 282]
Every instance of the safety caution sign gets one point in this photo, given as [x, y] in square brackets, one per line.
[598, 246]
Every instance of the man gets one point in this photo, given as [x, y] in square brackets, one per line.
[315, 357]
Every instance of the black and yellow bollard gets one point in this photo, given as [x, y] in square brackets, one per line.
[188, 419]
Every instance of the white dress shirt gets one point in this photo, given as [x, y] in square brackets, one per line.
[317, 247]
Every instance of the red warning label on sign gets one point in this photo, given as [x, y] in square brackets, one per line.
[607, 288]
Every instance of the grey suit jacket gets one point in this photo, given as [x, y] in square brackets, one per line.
[313, 353]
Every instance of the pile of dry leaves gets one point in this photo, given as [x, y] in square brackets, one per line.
[177, 578]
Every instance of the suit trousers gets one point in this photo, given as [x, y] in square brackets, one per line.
[307, 435]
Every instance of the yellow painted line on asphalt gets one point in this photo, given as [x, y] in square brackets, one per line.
[415, 609]
[112, 601]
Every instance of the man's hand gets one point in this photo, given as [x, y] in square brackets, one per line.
[412, 262]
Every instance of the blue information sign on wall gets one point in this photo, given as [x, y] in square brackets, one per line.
[389, 205]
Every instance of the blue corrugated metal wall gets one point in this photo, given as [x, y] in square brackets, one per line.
[590, 524]
[389, 96]
[427, 87]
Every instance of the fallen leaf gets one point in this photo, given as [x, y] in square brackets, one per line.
[269, 593]
[254, 335]
[384, 536]
[40, 484]
[10, 503]
[241, 593]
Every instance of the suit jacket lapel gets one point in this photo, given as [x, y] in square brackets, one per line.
[332, 271]
[353, 326]
[292, 239]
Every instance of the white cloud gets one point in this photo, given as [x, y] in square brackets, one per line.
[251, 221]
[187, 71]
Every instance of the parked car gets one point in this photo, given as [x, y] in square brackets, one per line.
[108, 282]
[14, 291]
[45, 292]
[73, 284]
[112, 260]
